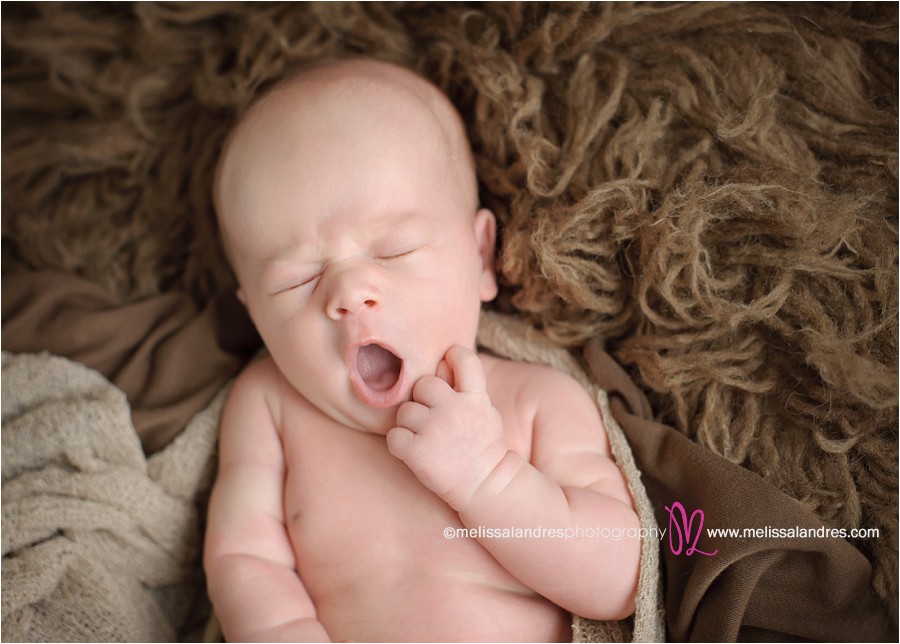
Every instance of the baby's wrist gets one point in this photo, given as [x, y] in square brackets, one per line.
[505, 464]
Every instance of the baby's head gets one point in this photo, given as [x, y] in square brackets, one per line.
[348, 205]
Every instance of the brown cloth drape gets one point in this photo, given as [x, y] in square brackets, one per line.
[169, 358]
[753, 589]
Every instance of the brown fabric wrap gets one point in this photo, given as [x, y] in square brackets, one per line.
[169, 358]
[751, 589]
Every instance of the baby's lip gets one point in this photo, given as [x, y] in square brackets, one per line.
[376, 397]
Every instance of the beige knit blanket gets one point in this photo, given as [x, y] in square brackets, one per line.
[101, 543]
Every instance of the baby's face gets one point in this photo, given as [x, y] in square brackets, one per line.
[353, 230]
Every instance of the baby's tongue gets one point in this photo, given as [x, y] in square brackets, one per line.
[378, 367]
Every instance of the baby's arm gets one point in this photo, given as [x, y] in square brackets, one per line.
[250, 567]
[571, 483]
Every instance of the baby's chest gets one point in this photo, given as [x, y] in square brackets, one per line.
[351, 506]
[349, 499]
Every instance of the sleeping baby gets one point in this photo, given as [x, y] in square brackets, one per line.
[373, 430]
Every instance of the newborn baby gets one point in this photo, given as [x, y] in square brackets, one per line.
[348, 205]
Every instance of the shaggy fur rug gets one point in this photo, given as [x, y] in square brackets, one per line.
[709, 187]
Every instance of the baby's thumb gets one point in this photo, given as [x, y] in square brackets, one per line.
[444, 372]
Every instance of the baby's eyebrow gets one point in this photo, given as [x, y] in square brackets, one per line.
[396, 219]
[297, 246]
[291, 250]
[277, 272]
[287, 253]
[282, 253]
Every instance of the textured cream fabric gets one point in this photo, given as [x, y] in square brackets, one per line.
[99, 543]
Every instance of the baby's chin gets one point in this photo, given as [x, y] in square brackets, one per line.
[377, 422]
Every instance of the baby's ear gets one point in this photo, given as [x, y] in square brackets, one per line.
[486, 235]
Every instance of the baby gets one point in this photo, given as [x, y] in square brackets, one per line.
[348, 204]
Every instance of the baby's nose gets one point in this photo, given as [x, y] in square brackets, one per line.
[337, 312]
[352, 294]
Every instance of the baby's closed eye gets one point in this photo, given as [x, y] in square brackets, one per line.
[397, 254]
[296, 283]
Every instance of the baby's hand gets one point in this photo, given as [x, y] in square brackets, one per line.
[450, 435]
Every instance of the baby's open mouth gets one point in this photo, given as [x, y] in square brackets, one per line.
[378, 367]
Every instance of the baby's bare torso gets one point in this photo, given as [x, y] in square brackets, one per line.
[370, 544]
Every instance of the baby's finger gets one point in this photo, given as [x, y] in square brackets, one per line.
[468, 372]
[431, 391]
[444, 372]
[400, 441]
[412, 415]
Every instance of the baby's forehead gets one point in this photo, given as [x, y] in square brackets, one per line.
[370, 87]
[364, 109]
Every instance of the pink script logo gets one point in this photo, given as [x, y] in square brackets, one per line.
[685, 530]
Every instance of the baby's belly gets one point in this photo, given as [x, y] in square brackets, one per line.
[435, 605]
[370, 549]
[372, 554]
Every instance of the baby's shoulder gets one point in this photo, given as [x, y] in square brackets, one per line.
[259, 376]
[259, 384]
[536, 380]
[547, 403]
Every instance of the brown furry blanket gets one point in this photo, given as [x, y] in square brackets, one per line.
[708, 188]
